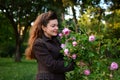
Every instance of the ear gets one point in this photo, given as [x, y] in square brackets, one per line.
[43, 28]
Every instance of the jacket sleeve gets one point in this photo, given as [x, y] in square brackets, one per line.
[44, 56]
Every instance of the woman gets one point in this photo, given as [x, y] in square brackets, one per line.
[44, 46]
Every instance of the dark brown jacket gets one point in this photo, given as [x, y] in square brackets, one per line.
[50, 60]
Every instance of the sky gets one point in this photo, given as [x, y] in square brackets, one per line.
[102, 5]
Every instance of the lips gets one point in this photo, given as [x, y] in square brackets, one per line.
[55, 31]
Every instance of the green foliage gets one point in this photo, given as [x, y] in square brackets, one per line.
[96, 55]
[7, 46]
[113, 24]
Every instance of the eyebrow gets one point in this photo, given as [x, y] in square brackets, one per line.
[53, 24]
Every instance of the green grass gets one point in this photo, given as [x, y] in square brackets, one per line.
[10, 70]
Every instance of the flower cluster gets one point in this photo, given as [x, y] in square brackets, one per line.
[65, 33]
[82, 47]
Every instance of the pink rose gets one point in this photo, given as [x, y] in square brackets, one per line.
[60, 34]
[74, 43]
[62, 45]
[113, 66]
[66, 31]
[74, 56]
[87, 72]
[91, 38]
[66, 51]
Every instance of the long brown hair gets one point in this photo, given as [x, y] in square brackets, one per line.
[36, 30]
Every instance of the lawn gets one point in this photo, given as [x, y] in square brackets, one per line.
[10, 70]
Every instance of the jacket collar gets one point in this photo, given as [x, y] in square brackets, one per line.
[45, 38]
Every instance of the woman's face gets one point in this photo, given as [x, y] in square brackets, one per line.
[51, 29]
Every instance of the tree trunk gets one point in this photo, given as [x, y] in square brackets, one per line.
[75, 19]
[18, 53]
[62, 16]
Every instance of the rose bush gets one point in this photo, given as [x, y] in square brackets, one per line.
[89, 53]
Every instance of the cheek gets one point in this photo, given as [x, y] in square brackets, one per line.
[49, 30]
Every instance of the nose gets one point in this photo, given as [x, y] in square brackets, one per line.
[57, 27]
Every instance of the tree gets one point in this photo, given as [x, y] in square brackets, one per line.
[6, 38]
[20, 16]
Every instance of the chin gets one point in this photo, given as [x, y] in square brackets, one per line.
[55, 34]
